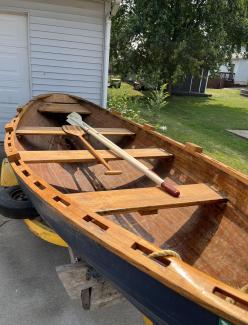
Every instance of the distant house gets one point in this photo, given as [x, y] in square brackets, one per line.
[53, 46]
[239, 69]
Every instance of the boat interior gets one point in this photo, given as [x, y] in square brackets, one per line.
[201, 225]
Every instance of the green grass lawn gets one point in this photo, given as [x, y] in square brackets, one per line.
[200, 120]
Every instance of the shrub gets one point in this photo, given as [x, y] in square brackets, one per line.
[158, 100]
[129, 107]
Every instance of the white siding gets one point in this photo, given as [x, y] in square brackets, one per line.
[66, 41]
[14, 77]
[241, 71]
[74, 46]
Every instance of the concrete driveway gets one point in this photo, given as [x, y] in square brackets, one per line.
[30, 291]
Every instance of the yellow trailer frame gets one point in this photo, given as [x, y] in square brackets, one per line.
[38, 228]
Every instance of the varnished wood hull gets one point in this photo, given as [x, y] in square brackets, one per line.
[117, 222]
[162, 305]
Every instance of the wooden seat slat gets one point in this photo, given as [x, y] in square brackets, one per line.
[146, 199]
[63, 108]
[68, 156]
[59, 131]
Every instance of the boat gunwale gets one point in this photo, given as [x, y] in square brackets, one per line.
[178, 275]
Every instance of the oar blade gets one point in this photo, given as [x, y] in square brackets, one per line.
[74, 119]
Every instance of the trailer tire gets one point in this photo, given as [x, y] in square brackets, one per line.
[14, 204]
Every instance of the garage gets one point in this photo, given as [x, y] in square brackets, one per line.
[52, 46]
[14, 70]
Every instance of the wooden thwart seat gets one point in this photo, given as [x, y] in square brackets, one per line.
[26, 130]
[59, 131]
[146, 199]
[63, 108]
[68, 156]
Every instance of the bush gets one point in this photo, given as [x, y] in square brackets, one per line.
[158, 100]
[129, 107]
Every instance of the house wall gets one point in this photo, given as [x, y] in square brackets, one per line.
[66, 45]
[240, 70]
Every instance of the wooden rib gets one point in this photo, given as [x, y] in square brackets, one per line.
[146, 199]
[63, 108]
[86, 156]
[59, 131]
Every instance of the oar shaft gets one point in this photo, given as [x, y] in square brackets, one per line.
[109, 171]
[134, 162]
[93, 152]
[79, 134]
[124, 155]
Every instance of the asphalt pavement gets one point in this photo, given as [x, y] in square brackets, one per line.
[32, 294]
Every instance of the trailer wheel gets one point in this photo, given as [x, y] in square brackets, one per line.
[15, 204]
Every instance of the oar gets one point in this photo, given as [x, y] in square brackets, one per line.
[79, 133]
[75, 119]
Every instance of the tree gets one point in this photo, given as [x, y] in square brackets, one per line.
[164, 40]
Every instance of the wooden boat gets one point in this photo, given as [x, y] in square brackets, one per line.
[124, 225]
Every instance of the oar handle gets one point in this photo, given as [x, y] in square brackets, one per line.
[170, 189]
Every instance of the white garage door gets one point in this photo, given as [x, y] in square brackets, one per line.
[14, 75]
